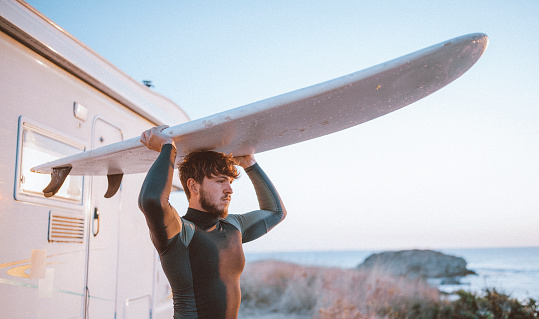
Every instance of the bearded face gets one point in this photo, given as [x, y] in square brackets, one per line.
[215, 195]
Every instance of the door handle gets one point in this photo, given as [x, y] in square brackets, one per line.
[96, 216]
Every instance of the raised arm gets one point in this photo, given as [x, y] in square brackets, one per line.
[257, 223]
[153, 200]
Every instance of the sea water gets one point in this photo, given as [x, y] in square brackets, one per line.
[513, 271]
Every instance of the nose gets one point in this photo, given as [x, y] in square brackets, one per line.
[228, 189]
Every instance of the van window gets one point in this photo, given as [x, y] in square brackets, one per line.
[39, 146]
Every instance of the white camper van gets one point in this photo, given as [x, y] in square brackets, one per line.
[76, 254]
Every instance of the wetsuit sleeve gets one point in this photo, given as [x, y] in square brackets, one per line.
[161, 217]
[257, 223]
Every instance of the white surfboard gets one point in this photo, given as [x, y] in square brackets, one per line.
[289, 118]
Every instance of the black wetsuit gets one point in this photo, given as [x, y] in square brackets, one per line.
[202, 256]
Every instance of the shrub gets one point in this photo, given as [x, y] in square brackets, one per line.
[334, 293]
[493, 305]
[274, 286]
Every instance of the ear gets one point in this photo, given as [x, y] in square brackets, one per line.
[193, 186]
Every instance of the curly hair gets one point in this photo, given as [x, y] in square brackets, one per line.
[197, 165]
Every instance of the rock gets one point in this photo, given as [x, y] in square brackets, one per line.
[450, 281]
[417, 263]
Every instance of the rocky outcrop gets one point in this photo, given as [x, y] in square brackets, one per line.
[417, 263]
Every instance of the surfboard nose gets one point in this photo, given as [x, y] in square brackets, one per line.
[475, 43]
[479, 43]
[481, 40]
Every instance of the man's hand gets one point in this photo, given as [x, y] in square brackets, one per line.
[246, 161]
[154, 138]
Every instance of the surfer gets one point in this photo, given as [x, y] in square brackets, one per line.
[201, 253]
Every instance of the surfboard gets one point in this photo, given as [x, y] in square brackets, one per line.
[289, 118]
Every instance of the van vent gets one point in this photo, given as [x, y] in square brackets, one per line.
[66, 228]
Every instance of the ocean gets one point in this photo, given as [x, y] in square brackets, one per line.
[513, 271]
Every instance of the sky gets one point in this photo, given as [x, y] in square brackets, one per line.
[459, 168]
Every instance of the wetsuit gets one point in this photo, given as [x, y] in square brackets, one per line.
[201, 255]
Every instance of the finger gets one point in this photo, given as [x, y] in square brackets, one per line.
[159, 128]
[143, 137]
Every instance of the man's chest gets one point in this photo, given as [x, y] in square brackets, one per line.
[218, 249]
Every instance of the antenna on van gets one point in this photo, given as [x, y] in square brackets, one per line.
[148, 83]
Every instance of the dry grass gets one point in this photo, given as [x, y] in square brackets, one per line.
[323, 293]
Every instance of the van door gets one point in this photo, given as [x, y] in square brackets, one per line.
[102, 271]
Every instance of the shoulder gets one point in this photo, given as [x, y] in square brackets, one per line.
[244, 221]
[234, 220]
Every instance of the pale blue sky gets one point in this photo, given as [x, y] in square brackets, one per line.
[459, 168]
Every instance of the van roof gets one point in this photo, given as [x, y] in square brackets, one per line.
[24, 23]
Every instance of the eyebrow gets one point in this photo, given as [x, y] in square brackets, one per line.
[222, 176]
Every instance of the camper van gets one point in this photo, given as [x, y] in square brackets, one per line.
[76, 254]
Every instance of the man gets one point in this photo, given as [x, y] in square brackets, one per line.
[201, 252]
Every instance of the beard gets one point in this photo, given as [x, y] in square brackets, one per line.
[210, 207]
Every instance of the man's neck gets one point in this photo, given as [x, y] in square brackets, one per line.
[200, 218]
